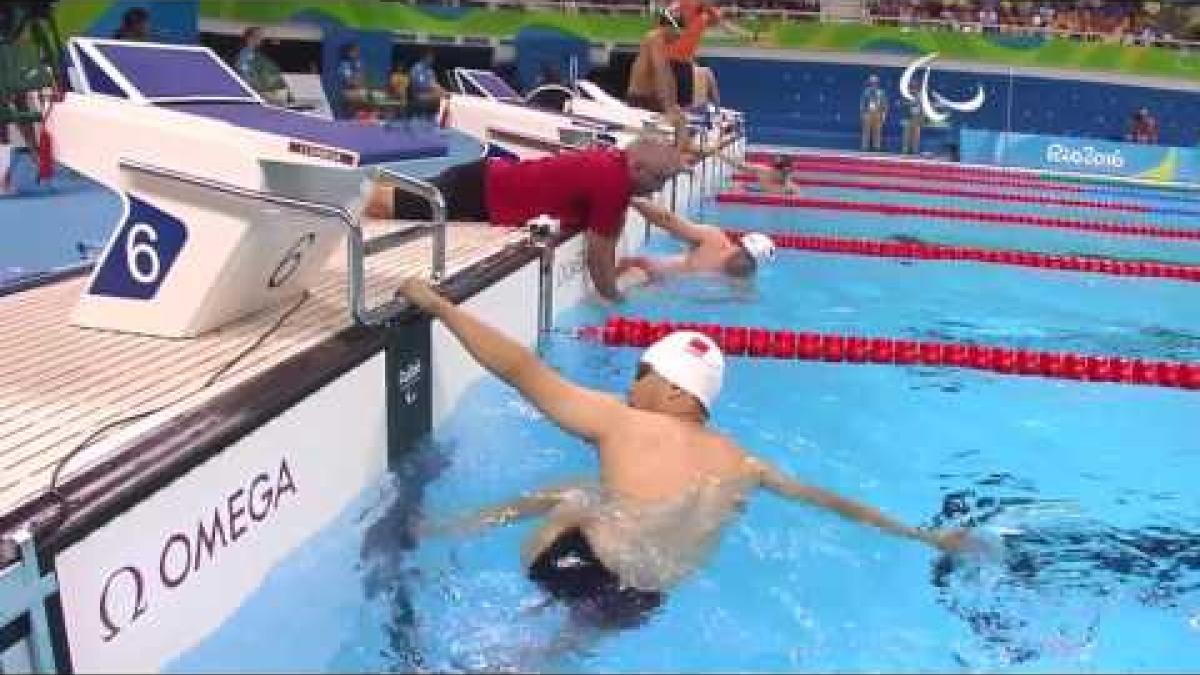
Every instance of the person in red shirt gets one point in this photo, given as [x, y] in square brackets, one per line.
[585, 190]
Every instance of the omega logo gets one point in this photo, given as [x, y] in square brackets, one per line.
[291, 261]
[127, 591]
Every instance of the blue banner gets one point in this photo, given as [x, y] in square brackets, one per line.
[1080, 155]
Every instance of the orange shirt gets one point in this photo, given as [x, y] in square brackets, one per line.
[696, 17]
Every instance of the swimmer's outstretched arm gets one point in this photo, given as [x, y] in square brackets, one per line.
[693, 233]
[776, 481]
[529, 505]
[579, 411]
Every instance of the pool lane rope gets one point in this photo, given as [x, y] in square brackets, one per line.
[979, 194]
[1026, 219]
[927, 251]
[854, 349]
[946, 174]
[980, 175]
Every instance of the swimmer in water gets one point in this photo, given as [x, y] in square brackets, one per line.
[712, 252]
[773, 178]
[668, 483]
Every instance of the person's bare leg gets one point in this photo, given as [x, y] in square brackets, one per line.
[382, 203]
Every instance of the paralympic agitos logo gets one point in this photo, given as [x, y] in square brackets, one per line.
[931, 101]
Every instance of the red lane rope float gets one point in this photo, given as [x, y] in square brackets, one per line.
[975, 175]
[962, 192]
[792, 201]
[916, 167]
[786, 344]
[989, 181]
[925, 251]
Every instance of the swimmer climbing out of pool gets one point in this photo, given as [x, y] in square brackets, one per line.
[668, 482]
[712, 251]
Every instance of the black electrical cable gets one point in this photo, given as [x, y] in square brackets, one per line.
[64, 503]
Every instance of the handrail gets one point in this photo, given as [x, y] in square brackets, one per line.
[355, 248]
[437, 204]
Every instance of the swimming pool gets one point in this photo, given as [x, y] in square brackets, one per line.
[1101, 570]
[52, 225]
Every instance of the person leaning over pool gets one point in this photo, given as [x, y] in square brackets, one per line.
[586, 190]
[668, 482]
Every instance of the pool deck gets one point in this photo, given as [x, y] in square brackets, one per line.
[62, 383]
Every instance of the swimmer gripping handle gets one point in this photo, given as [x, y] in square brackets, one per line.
[786, 344]
[1028, 219]
[926, 251]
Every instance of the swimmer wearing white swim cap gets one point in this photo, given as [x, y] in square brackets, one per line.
[712, 251]
[611, 550]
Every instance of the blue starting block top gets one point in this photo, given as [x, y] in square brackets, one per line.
[195, 81]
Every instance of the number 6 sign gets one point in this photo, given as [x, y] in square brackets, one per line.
[141, 256]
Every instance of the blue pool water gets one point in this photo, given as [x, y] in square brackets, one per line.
[1093, 484]
[42, 227]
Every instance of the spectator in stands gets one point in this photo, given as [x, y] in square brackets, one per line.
[352, 80]
[398, 81]
[135, 25]
[1143, 127]
[695, 17]
[989, 19]
[424, 93]
[586, 190]
[872, 107]
[259, 71]
[651, 83]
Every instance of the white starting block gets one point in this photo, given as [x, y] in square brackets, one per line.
[232, 205]
[192, 255]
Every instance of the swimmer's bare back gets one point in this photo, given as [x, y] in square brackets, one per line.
[654, 450]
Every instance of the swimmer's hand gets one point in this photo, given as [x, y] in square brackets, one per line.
[418, 292]
[466, 526]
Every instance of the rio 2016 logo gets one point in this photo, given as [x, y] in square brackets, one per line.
[931, 101]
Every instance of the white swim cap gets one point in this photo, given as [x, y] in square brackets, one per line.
[759, 246]
[690, 361]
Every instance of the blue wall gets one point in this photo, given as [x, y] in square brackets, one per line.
[801, 103]
[176, 21]
[537, 45]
